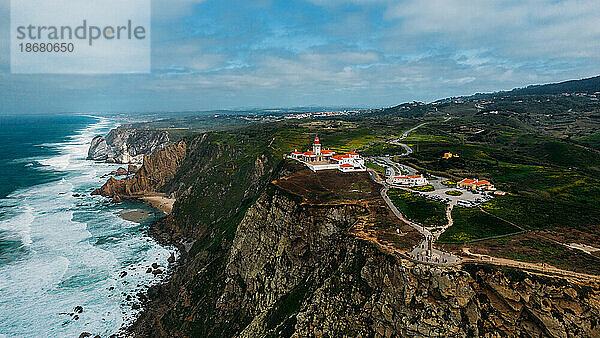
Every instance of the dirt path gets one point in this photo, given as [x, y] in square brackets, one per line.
[500, 218]
[440, 231]
[544, 268]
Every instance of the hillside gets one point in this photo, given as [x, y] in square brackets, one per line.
[270, 248]
[590, 86]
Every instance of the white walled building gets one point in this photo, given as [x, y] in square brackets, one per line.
[318, 159]
[412, 180]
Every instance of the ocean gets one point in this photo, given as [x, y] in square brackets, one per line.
[60, 247]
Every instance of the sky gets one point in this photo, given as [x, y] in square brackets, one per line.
[234, 54]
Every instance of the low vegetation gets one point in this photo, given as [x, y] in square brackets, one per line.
[378, 169]
[419, 209]
[473, 224]
[453, 193]
[423, 188]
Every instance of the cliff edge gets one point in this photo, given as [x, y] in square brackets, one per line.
[157, 170]
[294, 267]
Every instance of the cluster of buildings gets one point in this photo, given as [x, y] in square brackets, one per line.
[475, 185]
[318, 159]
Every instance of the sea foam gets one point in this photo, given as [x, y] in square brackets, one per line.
[74, 251]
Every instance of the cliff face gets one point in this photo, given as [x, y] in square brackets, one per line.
[127, 145]
[292, 268]
[156, 171]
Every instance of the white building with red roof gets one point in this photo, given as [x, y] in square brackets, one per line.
[318, 159]
[475, 184]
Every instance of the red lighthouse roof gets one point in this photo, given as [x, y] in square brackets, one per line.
[316, 139]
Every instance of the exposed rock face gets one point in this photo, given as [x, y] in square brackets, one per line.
[99, 150]
[151, 177]
[293, 270]
[127, 145]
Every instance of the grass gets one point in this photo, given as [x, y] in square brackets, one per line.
[378, 169]
[419, 209]
[537, 212]
[454, 193]
[472, 223]
[449, 183]
[423, 188]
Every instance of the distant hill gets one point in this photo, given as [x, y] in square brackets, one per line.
[589, 85]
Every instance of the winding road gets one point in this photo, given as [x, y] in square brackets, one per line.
[424, 252]
[407, 150]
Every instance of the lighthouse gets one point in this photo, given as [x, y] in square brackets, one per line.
[317, 147]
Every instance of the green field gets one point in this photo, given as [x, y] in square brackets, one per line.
[378, 169]
[536, 212]
[472, 223]
[423, 188]
[419, 209]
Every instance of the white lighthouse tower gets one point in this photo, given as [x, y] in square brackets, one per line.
[317, 146]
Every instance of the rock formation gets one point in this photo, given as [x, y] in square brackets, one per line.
[127, 145]
[99, 150]
[157, 169]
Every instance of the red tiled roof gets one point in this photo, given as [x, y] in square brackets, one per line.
[339, 157]
[309, 153]
[346, 165]
[297, 153]
[467, 181]
[482, 182]
[401, 177]
[416, 176]
[352, 153]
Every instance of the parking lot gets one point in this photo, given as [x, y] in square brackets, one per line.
[467, 199]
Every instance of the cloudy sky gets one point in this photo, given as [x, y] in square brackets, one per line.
[223, 54]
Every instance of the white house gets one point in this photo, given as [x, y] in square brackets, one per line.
[411, 180]
[317, 159]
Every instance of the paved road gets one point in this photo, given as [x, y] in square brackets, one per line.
[528, 266]
[407, 150]
[424, 252]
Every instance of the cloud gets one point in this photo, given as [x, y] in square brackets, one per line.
[230, 53]
[165, 10]
[545, 28]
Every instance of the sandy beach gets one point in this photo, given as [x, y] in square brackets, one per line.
[160, 202]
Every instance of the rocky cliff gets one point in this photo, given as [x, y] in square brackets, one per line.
[292, 268]
[127, 145]
[157, 170]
